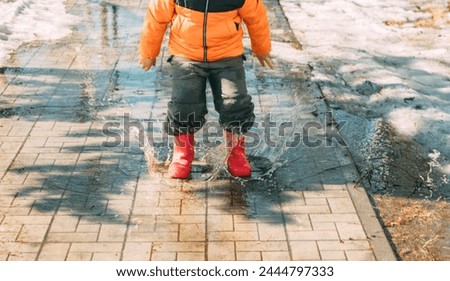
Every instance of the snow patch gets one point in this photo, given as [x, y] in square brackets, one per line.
[24, 21]
[382, 59]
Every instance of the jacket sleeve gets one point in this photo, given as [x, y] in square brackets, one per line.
[159, 15]
[254, 14]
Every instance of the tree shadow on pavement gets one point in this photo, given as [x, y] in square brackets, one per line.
[98, 189]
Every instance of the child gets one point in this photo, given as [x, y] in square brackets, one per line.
[206, 45]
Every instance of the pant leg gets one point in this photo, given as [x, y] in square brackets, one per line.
[231, 100]
[187, 107]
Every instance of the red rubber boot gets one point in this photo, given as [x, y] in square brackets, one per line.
[183, 155]
[238, 165]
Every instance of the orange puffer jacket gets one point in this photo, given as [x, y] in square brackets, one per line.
[205, 30]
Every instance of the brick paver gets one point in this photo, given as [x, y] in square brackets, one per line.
[68, 192]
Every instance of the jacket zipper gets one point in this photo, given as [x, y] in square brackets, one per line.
[205, 21]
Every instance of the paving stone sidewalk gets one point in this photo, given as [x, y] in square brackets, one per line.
[76, 184]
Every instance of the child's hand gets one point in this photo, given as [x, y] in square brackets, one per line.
[147, 63]
[265, 60]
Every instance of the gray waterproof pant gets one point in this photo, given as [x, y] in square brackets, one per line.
[187, 107]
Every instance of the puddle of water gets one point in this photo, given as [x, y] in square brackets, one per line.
[209, 163]
[393, 164]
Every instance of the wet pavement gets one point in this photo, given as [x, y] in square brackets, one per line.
[82, 175]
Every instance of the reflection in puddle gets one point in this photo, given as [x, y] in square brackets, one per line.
[109, 20]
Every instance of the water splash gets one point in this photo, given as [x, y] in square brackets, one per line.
[265, 147]
[156, 157]
[216, 158]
